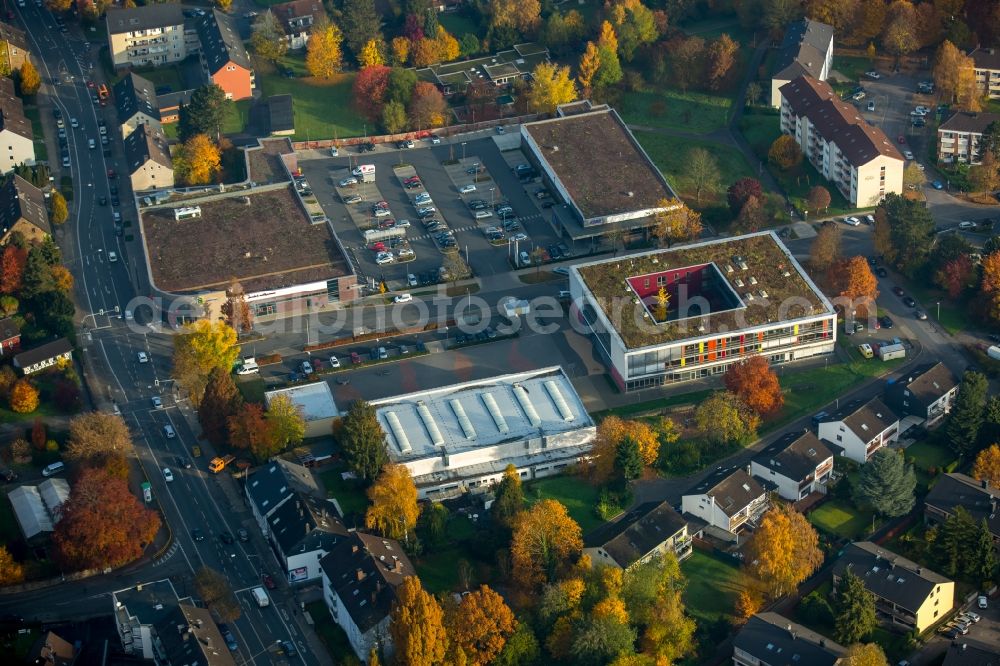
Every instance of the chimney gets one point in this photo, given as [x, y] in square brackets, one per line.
[398, 566]
[360, 574]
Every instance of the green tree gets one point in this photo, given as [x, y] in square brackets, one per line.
[521, 648]
[887, 484]
[363, 441]
[394, 117]
[968, 414]
[268, 39]
[400, 85]
[600, 640]
[360, 24]
[855, 606]
[628, 459]
[285, 423]
[982, 555]
[221, 400]
[204, 113]
[509, 498]
[723, 419]
[904, 233]
[703, 172]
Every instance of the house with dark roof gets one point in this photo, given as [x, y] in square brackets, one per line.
[953, 490]
[297, 18]
[51, 650]
[15, 40]
[986, 66]
[795, 465]
[136, 104]
[769, 639]
[22, 210]
[224, 59]
[169, 105]
[294, 516]
[959, 136]
[907, 594]
[728, 500]
[360, 576]
[147, 156]
[146, 36]
[969, 652]
[15, 130]
[860, 429]
[10, 336]
[280, 117]
[44, 356]
[928, 392]
[649, 530]
[806, 50]
[858, 158]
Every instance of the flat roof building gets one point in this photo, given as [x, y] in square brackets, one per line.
[499, 70]
[460, 437]
[726, 300]
[603, 176]
[316, 403]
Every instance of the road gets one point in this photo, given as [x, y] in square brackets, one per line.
[106, 293]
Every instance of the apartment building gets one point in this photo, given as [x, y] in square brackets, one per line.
[857, 158]
[807, 50]
[224, 59]
[986, 65]
[17, 139]
[928, 392]
[730, 500]
[796, 464]
[149, 164]
[959, 136]
[650, 530]
[769, 639]
[136, 104]
[147, 36]
[16, 44]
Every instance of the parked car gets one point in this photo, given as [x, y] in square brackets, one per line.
[228, 637]
[898, 291]
[852, 221]
[268, 581]
[465, 189]
[346, 182]
[871, 105]
[920, 314]
[873, 75]
[909, 302]
[402, 298]
[886, 321]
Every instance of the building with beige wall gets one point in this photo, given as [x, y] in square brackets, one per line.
[148, 156]
[16, 44]
[986, 65]
[17, 139]
[958, 137]
[146, 36]
[807, 50]
[136, 104]
[859, 159]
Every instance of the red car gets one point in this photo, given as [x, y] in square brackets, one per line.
[268, 582]
[90, 84]
[900, 139]
[355, 357]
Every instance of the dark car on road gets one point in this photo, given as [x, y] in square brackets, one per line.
[197, 534]
[227, 636]
[886, 321]
[898, 291]
[226, 537]
[268, 581]
[881, 272]
[909, 302]
[242, 534]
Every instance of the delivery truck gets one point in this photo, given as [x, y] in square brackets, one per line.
[260, 596]
[217, 464]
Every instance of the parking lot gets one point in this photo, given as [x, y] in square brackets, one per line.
[443, 172]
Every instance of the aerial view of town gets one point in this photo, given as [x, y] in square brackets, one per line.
[500, 332]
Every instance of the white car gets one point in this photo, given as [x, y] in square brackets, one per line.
[871, 105]
[873, 75]
[520, 238]
[157, 402]
[403, 223]
[434, 139]
[74, 123]
[981, 601]
[921, 110]
[346, 182]
[334, 152]
[167, 474]
[334, 362]
[966, 224]
[356, 171]
[853, 221]
[143, 358]
[403, 298]
[383, 258]
[91, 144]
[381, 212]
[465, 189]
[421, 198]
[427, 210]
[411, 280]
[971, 616]
[908, 154]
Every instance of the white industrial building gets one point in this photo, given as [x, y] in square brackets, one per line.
[37, 507]
[315, 401]
[463, 436]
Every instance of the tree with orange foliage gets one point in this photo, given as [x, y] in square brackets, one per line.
[38, 437]
[102, 524]
[852, 279]
[481, 625]
[428, 107]
[61, 278]
[23, 397]
[611, 432]
[10, 571]
[784, 550]
[417, 626]
[12, 263]
[987, 466]
[545, 541]
[755, 383]
[248, 428]
[990, 286]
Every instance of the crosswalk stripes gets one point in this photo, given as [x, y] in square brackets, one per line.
[170, 553]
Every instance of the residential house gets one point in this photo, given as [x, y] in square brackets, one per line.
[978, 498]
[50, 649]
[15, 129]
[796, 465]
[15, 46]
[293, 516]
[906, 593]
[145, 36]
[959, 136]
[224, 59]
[649, 530]
[10, 336]
[148, 158]
[498, 71]
[297, 18]
[360, 576]
[136, 103]
[986, 65]
[36, 508]
[170, 104]
[860, 429]
[726, 500]
[44, 356]
[856, 157]
[928, 392]
[970, 652]
[807, 50]
[22, 211]
[769, 639]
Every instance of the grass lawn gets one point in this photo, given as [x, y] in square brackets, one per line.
[927, 454]
[695, 112]
[347, 492]
[41, 150]
[438, 571]
[711, 587]
[331, 634]
[458, 24]
[853, 67]
[235, 120]
[630, 410]
[323, 109]
[578, 496]
[252, 388]
[842, 518]
[163, 76]
[670, 154]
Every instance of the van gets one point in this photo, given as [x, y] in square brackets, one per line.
[112, 257]
[260, 596]
[482, 214]
[168, 431]
[249, 366]
[54, 468]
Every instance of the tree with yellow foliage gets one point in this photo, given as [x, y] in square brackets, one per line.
[551, 86]
[590, 62]
[447, 46]
[417, 626]
[10, 571]
[784, 550]
[324, 54]
[865, 654]
[202, 346]
[481, 625]
[23, 397]
[60, 211]
[987, 466]
[400, 47]
[545, 541]
[198, 161]
[62, 278]
[371, 54]
[28, 80]
[394, 509]
[611, 432]
[675, 222]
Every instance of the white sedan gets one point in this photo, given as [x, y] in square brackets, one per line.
[873, 75]
[143, 358]
[966, 224]
[465, 189]
[908, 154]
[334, 362]
[853, 221]
[167, 474]
[403, 298]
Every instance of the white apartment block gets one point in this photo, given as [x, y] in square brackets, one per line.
[859, 159]
[807, 50]
[149, 35]
[958, 137]
[986, 64]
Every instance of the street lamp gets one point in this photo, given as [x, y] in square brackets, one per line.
[939, 310]
[463, 151]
